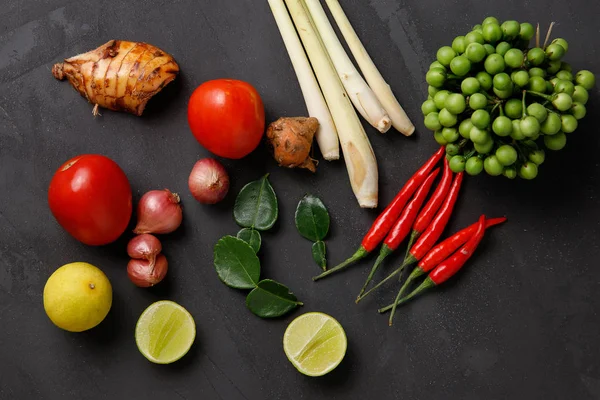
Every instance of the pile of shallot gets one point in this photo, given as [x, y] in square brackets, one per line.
[158, 212]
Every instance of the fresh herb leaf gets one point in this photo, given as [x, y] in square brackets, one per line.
[236, 263]
[271, 299]
[312, 218]
[256, 205]
[252, 237]
[319, 254]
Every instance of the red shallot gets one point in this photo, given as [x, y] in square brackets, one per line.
[158, 212]
[208, 182]
[144, 273]
[144, 247]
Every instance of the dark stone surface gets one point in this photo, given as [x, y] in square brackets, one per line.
[519, 323]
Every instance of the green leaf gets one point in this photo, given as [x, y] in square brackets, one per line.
[318, 253]
[271, 299]
[256, 205]
[252, 237]
[236, 263]
[312, 218]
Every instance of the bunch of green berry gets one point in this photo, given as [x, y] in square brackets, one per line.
[493, 100]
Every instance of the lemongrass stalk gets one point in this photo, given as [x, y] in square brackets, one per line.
[326, 135]
[358, 153]
[384, 93]
[361, 95]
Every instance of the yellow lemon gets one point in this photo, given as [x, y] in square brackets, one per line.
[77, 296]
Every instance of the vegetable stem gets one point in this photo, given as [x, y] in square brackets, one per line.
[542, 95]
[359, 255]
[400, 120]
[361, 95]
[414, 235]
[326, 135]
[390, 276]
[385, 251]
[548, 34]
[358, 153]
[427, 284]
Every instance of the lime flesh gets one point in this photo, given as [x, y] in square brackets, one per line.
[165, 332]
[315, 343]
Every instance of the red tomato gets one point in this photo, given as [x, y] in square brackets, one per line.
[90, 197]
[227, 117]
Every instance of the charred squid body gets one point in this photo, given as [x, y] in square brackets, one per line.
[119, 75]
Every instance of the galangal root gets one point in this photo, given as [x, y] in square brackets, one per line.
[291, 138]
[119, 75]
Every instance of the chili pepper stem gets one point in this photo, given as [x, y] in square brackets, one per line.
[405, 264]
[425, 285]
[359, 255]
[417, 272]
[414, 235]
[383, 253]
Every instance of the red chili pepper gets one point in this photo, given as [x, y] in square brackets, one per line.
[438, 254]
[402, 227]
[444, 250]
[445, 270]
[386, 219]
[433, 232]
[433, 205]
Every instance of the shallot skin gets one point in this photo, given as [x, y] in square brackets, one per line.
[144, 247]
[208, 182]
[119, 75]
[158, 212]
[144, 273]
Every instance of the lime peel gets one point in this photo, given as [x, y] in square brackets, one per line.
[315, 343]
[165, 332]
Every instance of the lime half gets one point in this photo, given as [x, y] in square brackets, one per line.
[165, 332]
[315, 343]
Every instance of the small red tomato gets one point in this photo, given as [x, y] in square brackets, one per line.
[90, 197]
[227, 117]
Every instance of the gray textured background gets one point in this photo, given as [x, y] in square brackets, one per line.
[519, 323]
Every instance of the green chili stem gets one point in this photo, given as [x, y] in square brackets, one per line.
[417, 272]
[427, 284]
[385, 251]
[359, 255]
[406, 263]
[413, 236]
